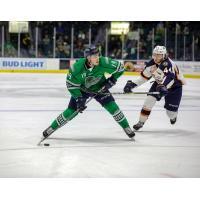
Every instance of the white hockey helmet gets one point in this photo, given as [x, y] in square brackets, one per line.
[160, 50]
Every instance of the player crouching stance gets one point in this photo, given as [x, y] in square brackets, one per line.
[168, 82]
[85, 79]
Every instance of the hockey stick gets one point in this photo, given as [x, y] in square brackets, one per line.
[120, 93]
[84, 89]
[72, 115]
[135, 93]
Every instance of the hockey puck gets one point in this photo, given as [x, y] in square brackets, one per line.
[46, 144]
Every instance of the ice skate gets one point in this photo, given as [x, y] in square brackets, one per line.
[138, 126]
[129, 132]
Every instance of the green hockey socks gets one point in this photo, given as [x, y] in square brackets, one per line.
[117, 114]
[63, 118]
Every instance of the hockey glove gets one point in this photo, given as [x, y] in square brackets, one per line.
[110, 82]
[80, 103]
[162, 89]
[129, 86]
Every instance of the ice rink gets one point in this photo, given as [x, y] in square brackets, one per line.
[93, 145]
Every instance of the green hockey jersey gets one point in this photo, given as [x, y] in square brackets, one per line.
[91, 79]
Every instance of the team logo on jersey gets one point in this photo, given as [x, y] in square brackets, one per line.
[165, 63]
[165, 70]
[92, 80]
[83, 75]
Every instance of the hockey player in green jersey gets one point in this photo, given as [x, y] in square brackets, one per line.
[85, 79]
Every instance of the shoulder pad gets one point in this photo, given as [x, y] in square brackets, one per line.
[166, 63]
[149, 63]
[104, 61]
[109, 62]
[78, 66]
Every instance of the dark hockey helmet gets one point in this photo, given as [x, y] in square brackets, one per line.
[92, 50]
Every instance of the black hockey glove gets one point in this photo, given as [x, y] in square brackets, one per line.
[162, 89]
[129, 86]
[110, 82]
[80, 103]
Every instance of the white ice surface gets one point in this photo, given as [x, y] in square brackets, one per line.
[93, 145]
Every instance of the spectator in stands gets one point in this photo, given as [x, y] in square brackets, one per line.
[60, 51]
[10, 51]
[26, 42]
[66, 39]
[81, 39]
[25, 45]
[31, 51]
[66, 48]
[78, 53]
[59, 41]
[171, 53]
[46, 45]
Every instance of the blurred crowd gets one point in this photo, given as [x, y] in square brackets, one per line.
[69, 39]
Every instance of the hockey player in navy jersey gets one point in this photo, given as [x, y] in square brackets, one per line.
[168, 82]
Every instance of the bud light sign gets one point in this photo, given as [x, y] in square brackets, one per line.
[11, 63]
